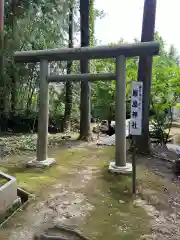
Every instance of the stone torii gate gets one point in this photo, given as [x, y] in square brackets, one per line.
[100, 52]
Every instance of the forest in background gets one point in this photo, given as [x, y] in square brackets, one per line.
[37, 24]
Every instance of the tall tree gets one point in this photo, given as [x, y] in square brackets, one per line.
[173, 54]
[12, 69]
[69, 85]
[85, 104]
[145, 72]
[2, 84]
[91, 22]
[34, 25]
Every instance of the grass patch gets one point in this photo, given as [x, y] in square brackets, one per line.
[150, 187]
[115, 216]
[9, 212]
[35, 180]
[3, 181]
[154, 189]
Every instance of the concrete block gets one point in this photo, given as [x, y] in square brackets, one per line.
[8, 192]
[41, 164]
[120, 170]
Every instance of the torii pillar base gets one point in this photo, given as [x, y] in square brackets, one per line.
[41, 164]
[125, 170]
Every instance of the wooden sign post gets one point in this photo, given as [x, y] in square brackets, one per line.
[135, 124]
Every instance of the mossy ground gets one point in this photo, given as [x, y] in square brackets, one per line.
[114, 215]
[3, 181]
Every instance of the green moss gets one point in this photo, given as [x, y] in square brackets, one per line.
[153, 188]
[3, 181]
[35, 180]
[114, 216]
[9, 212]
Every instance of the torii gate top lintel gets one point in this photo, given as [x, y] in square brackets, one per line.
[98, 52]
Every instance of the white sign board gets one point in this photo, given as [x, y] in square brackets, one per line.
[136, 108]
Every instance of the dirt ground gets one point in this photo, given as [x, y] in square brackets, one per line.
[63, 202]
[163, 207]
[76, 199]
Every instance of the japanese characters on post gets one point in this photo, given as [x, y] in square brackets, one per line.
[136, 108]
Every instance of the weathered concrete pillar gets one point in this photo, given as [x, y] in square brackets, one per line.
[42, 159]
[120, 142]
[120, 165]
[42, 141]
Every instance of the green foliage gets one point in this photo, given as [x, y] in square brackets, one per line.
[40, 24]
[103, 93]
[164, 94]
[165, 89]
[31, 25]
[92, 22]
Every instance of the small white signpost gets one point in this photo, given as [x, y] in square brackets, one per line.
[136, 109]
[135, 123]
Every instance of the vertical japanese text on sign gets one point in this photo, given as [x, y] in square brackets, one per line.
[136, 109]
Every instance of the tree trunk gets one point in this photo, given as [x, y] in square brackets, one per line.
[91, 22]
[31, 90]
[13, 90]
[145, 74]
[13, 70]
[85, 104]
[2, 83]
[29, 100]
[69, 85]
